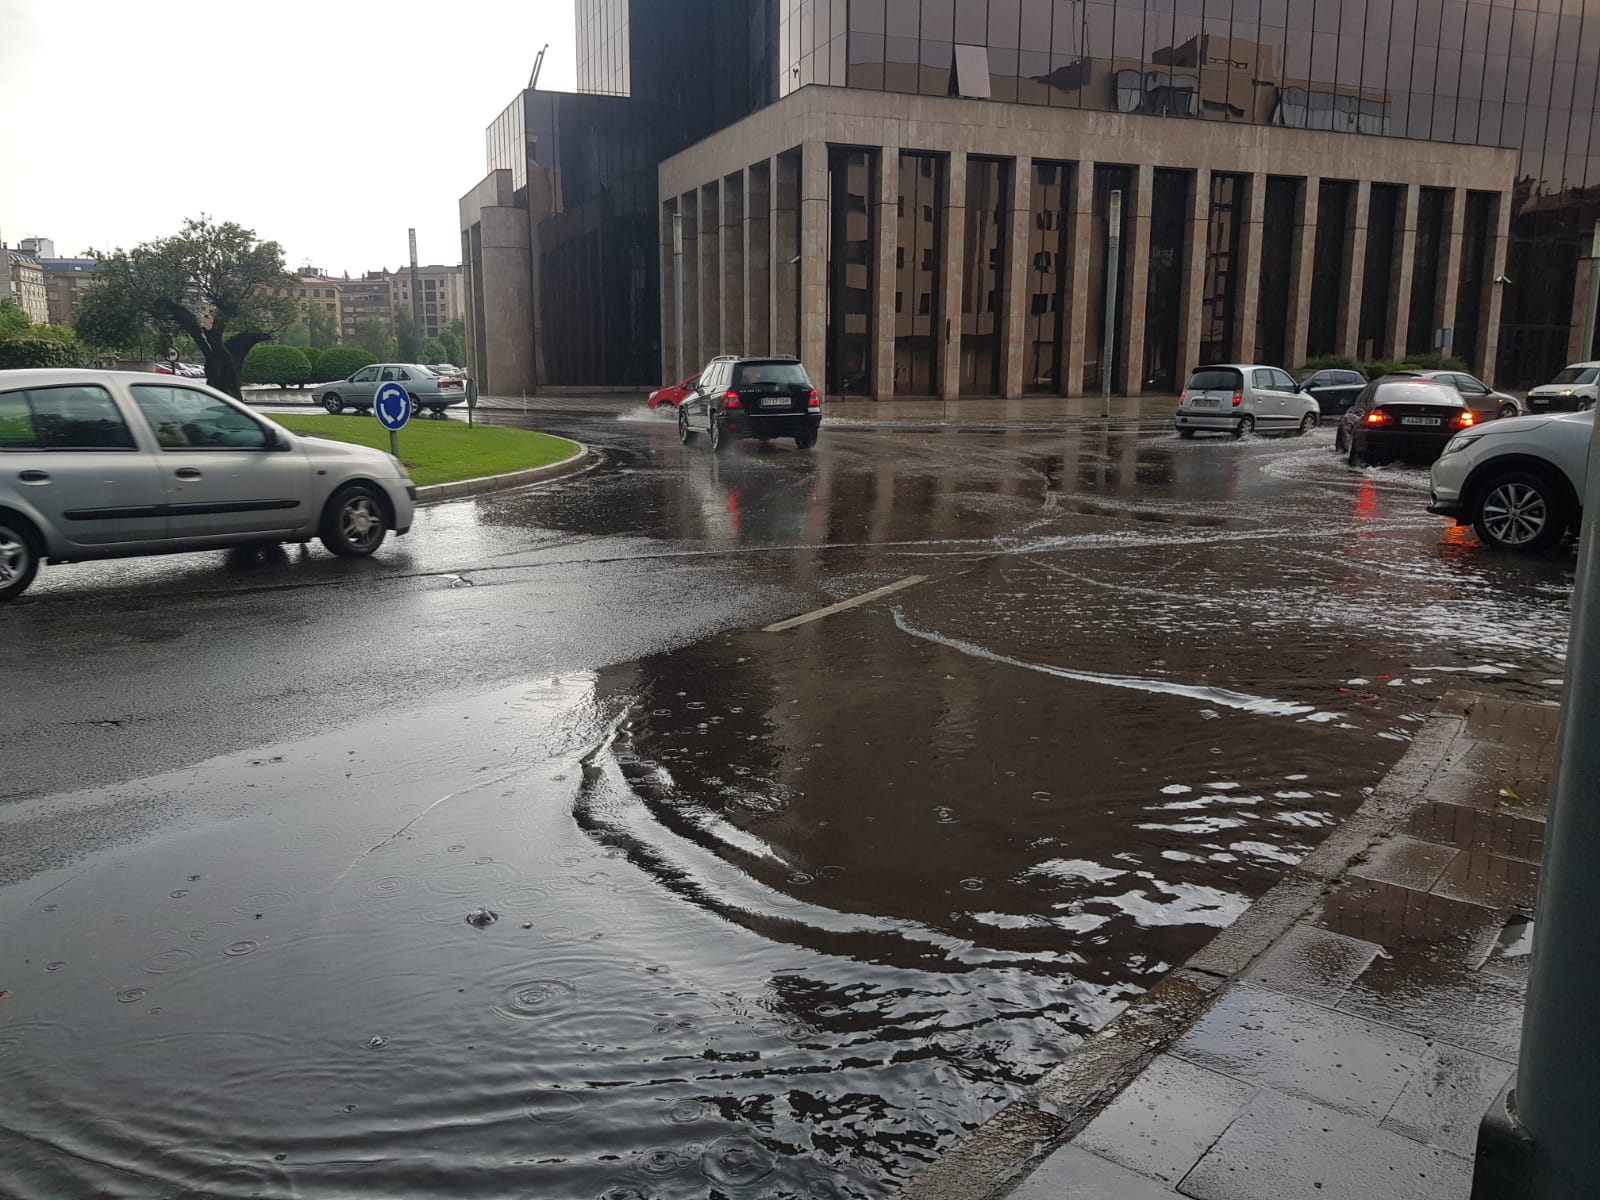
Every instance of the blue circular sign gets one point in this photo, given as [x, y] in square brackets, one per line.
[393, 406]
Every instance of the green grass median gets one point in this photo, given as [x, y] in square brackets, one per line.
[441, 451]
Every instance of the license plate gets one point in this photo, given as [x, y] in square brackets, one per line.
[1203, 402]
[774, 402]
[1421, 421]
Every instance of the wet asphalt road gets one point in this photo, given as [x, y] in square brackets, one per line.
[775, 914]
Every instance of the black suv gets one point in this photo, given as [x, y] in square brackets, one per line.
[762, 398]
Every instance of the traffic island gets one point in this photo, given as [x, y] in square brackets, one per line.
[447, 459]
[1344, 1037]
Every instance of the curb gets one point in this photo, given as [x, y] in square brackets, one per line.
[1001, 1151]
[485, 484]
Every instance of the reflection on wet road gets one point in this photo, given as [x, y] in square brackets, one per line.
[752, 914]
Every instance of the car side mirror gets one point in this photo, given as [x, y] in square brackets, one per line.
[277, 441]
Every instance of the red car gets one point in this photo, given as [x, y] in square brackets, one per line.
[666, 400]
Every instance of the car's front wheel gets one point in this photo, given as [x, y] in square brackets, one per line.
[1186, 434]
[332, 403]
[1307, 424]
[1508, 410]
[1523, 511]
[19, 557]
[355, 521]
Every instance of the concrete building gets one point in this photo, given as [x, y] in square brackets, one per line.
[37, 247]
[64, 282]
[27, 286]
[441, 298]
[371, 297]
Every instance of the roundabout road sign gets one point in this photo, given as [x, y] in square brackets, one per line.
[393, 406]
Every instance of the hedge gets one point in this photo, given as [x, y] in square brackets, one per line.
[339, 362]
[33, 350]
[282, 366]
[1373, 370]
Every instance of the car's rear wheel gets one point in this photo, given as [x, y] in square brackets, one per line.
[1523, 511]
[805, 441]
[1355, 458]
[719, 439]
[685, 434]
[1307, 424]
[19, 556]
[355, 521]
[1245, 427]
[332, 403]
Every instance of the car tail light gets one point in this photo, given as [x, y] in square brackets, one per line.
[1238, 399]
[1377, 417]
[815, 401]
[1467, 420]
[731, 400]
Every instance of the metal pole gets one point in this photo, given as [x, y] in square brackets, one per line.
[677, 291]
[1113, 254]
[1594, 293]
[1558, 1073]
[394, 444]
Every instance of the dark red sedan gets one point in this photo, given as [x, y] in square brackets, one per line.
[666, 400]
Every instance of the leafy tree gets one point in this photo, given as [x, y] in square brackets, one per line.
[283, 366]
[454, 341]
[323, 326]
[24, 344]
[298, 334]
[217, 283]
[408, 346]
[13, 319]
[340, 362]
[375, 339]
[433, 351]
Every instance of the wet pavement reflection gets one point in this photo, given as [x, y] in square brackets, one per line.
[619, 895]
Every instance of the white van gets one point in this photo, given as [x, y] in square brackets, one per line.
[1573, 390]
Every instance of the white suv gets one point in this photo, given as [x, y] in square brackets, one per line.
[104, 464]
[1518, 482]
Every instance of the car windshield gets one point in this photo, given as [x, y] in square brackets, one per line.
[1216, 379]
[1578, 375]
[771, 372]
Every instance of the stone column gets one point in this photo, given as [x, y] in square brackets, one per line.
[887, 277]
[758, 258]
[1196, 246]
[1248, 265]
[1080, 219]
[1354, 263]
[710, 231]
[785, 234]
[1405, 253]
[1576, 350]
[1014, 319]
[814, 250]
[1135, 292]
[1450, 254]
[689, 205]
[671, 369]
[1302, 265]
[731, 244]
[1488, 364]
[954, 249]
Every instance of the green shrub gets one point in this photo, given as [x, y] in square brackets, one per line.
[339, 362]
[1329, 362]
[31, 349]
[281, 366]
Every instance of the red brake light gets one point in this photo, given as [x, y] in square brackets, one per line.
[1238, 399]
[1467, 419]
[1377, 417]
[731, 400]
[815, 401]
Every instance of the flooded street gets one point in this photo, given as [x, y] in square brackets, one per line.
[524, 860]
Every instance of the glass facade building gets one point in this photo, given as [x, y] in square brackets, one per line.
[1522, 74]
[604, 50]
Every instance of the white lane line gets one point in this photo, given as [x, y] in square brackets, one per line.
[854, 602]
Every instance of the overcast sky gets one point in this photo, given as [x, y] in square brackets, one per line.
[331, 126]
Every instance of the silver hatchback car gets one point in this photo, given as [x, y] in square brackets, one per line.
[105, 464]
[1241, 398]
[429, 391]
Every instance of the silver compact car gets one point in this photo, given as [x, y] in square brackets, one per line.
[105, 464]
[1241, 398]
[429, 391]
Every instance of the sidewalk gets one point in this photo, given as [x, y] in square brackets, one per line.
[1344, 1038]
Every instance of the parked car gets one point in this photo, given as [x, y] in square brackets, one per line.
[666, 400]
[1486, 403]
[1518, 483]
[761, 398]
[1244, 398]
[448, 370]
[1573, 390]
[1334, 389]
[1402, 416]
[428, 391]
[104, 464]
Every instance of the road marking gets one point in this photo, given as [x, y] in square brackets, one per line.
[855, 602]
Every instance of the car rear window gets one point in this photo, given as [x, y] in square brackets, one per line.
[1578, 375]
[1216, 379]
[62, 418]
[772, 372]
[1417, 393]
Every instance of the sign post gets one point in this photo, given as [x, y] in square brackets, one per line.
[393, 406]
[472, 399]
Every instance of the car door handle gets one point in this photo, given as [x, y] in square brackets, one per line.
[34, 476]
[187, 473]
